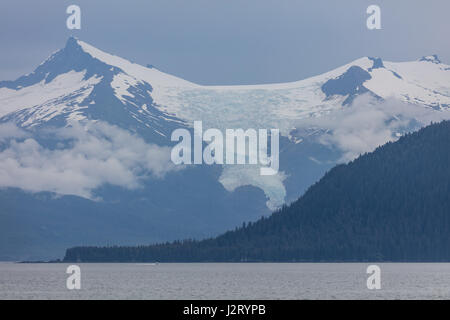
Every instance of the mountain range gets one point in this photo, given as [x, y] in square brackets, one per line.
[85, 145]
[388, 205]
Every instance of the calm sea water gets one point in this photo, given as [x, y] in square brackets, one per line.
[226, 281]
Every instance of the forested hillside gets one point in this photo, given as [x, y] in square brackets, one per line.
[390, 205]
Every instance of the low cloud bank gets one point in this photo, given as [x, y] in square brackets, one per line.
[369, 123]
[89, 155]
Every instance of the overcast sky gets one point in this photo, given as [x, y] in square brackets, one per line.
[227, 41]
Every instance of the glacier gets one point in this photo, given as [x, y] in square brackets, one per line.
[323, 120]
[65, 86]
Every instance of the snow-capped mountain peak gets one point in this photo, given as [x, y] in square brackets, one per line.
[81, 81]
[150, 75]
[71, 58]
[433, 59]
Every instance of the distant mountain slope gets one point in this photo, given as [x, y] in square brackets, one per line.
[389, 205]
[81, 81]
[90, 131]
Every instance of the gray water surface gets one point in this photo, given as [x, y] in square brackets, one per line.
[226, 281]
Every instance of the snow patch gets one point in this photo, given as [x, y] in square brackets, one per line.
[53, 95]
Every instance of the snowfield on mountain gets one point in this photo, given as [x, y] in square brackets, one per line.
[51, 113]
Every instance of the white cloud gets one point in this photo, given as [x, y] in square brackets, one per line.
[369, 123]
[96, 154]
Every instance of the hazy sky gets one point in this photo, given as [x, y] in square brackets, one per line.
[227, 41]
